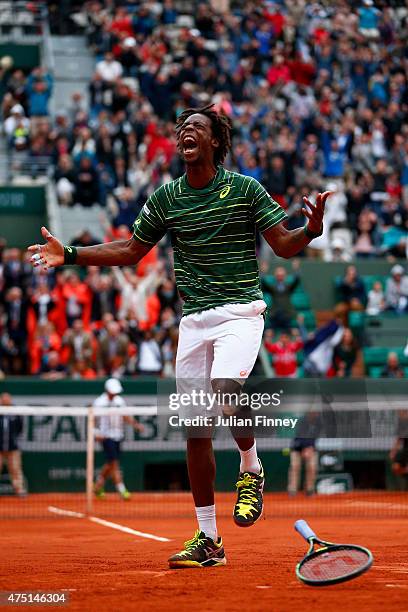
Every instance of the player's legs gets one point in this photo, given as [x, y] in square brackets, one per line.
[117, 478]
[309, 456]
[15, 471]
[193, 366]
[104, 474]
[201, 472]
[1, 461]
[237, 334]
[112, 450]
[111, 469]
[294, 472]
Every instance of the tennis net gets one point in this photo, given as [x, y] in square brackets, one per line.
[62, 456]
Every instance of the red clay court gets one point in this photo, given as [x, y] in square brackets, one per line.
[107, 569]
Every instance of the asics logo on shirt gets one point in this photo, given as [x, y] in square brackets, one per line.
[225, 192]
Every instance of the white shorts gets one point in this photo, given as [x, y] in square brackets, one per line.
[221, 342]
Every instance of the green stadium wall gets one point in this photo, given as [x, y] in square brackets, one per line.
[23, 210]
[25, 56]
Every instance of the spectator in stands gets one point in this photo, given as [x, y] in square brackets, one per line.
[392, 368]
[169, 13]
[278, 180]
[84, 145]
[376, 300]
[334, 112]
[16, 272]
[127, 209]
[11, 427]
[109, 69]
[81, 370]
[338, 251]
[85, 238]
[87, 189]
[38, 90]
[396, 290]
[16, 85]
[20, 141]
[352, 291]
[65, 178]
[168, 296]
[46, 340]
[112, 351]
[53, 369]
[149, 355]
[16, 118]
[135, 292]
[15, 346]
[369, 20]
[77, 345]
[76, 298]
[367, 240]
[282, 311]
[104, 297]
[43, 302]
[345, 354]
[284, 352]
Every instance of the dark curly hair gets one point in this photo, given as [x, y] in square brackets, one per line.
[221, 128]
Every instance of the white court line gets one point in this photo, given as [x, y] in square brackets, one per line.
[99, 521]
[63, 512]
[386, 505]
[391, 568]
[141, 534]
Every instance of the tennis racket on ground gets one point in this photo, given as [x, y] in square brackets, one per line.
[326, 563]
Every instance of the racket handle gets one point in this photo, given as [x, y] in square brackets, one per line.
[303, 528]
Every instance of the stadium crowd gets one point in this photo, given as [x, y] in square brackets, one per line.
[89, 322]
[318, 95]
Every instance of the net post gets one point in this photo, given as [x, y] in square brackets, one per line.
[90, 447]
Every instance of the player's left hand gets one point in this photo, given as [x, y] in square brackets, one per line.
[315, 212]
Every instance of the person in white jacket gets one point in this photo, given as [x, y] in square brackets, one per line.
[135, 290]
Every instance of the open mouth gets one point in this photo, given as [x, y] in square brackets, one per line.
[189, 144]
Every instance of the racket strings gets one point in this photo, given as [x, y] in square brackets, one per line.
[334, 564]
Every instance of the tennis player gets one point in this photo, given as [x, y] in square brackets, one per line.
[212, 215]
[110, 432]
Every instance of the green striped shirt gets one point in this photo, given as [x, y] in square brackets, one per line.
[213, 236]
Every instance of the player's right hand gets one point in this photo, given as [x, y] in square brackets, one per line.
[48, 255]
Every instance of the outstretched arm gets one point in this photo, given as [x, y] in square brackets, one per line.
[119, 253]
[287, 243]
